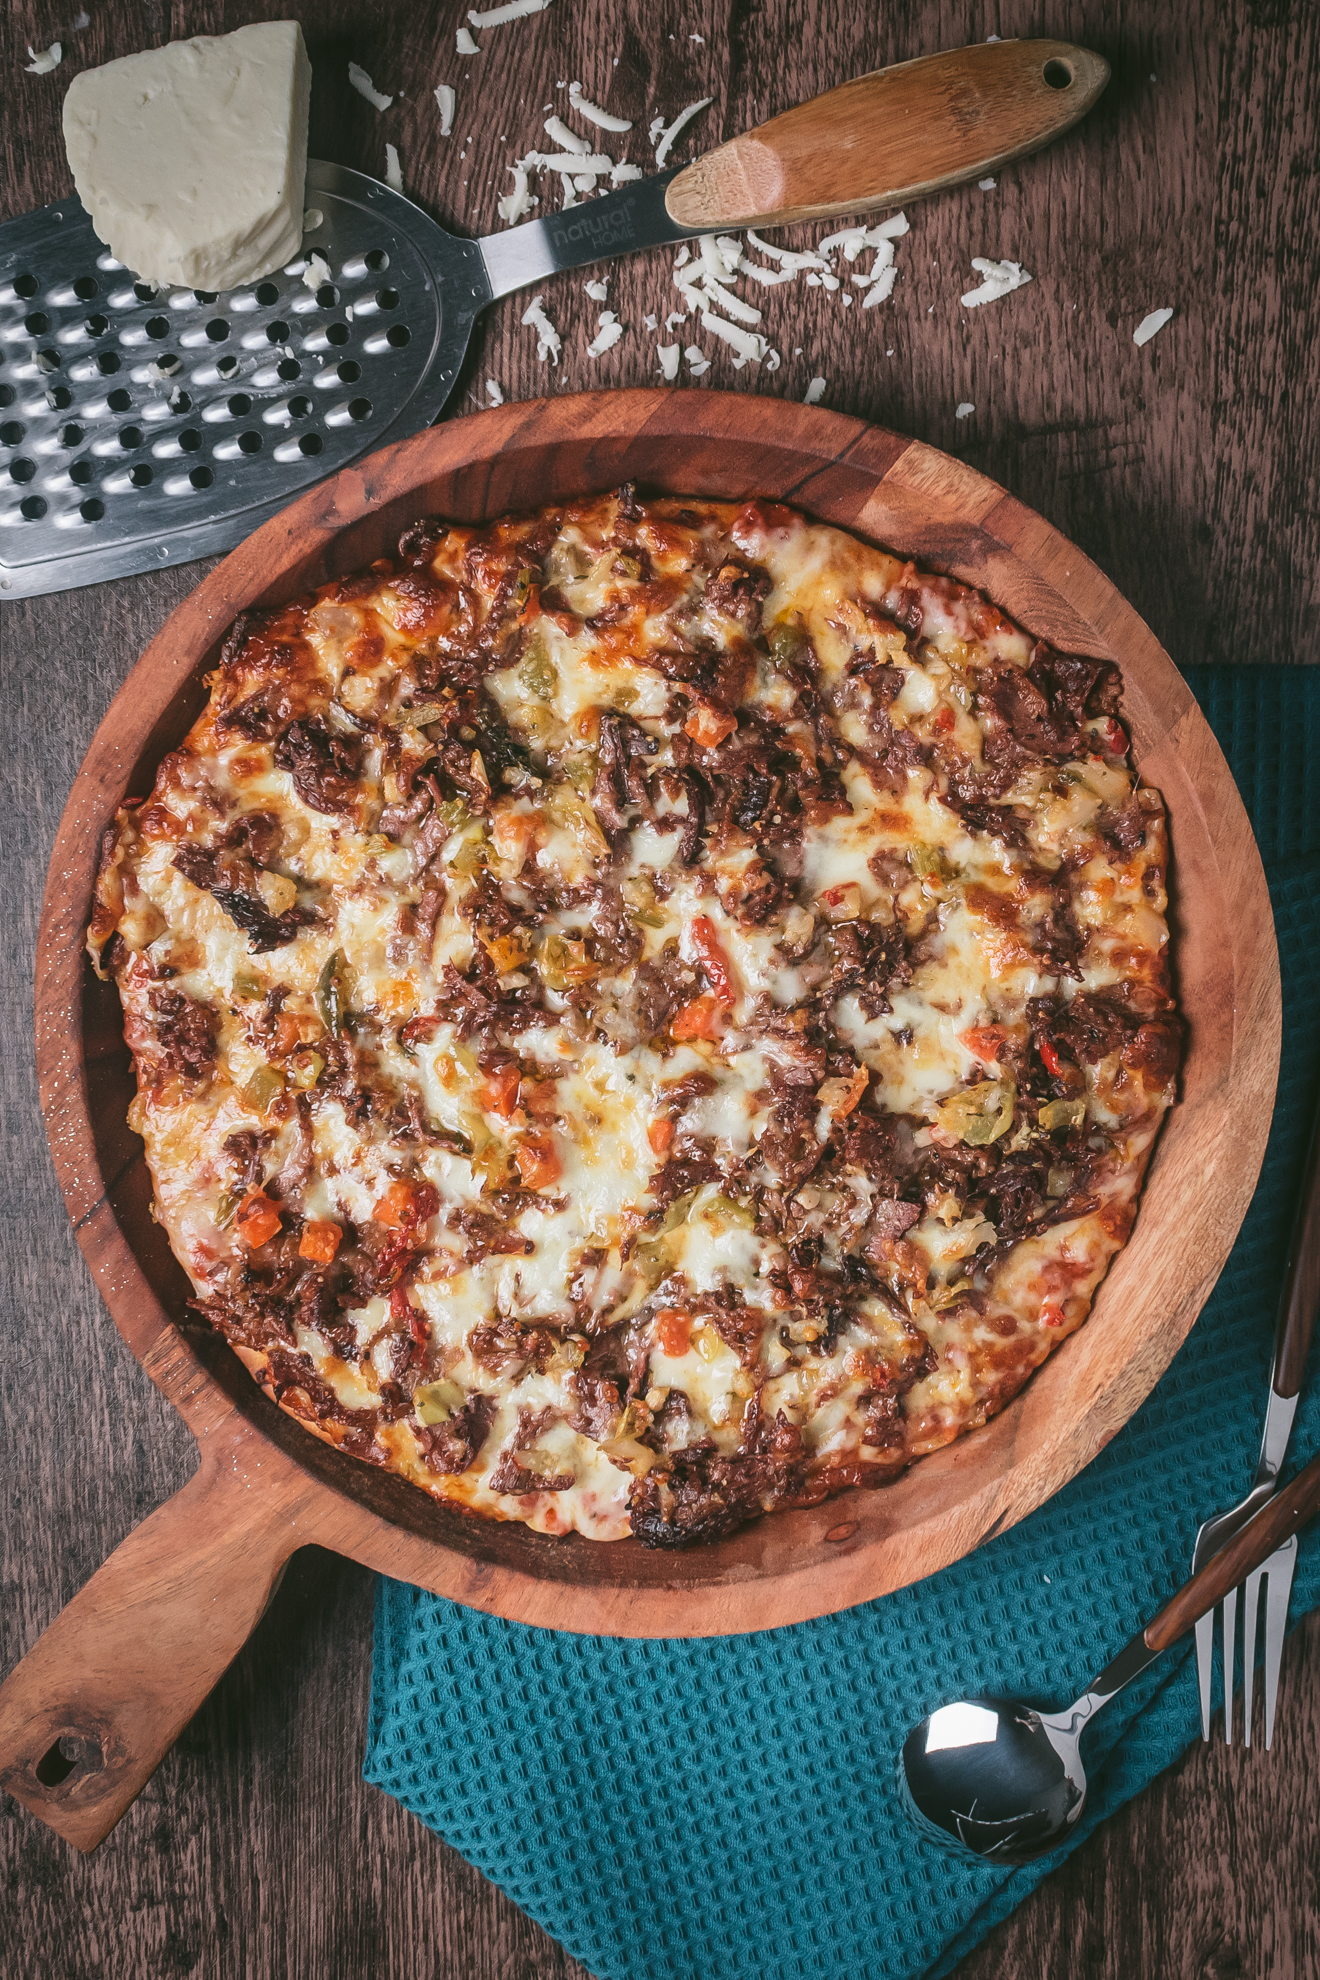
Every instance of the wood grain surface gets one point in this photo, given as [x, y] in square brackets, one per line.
[1187, 470]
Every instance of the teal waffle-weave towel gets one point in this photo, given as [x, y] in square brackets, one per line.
[727, 1809]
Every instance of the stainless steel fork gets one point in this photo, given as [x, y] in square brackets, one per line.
[1292, 1340]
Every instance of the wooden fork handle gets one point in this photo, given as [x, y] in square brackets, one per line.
[1301, 1283]
[93, 1708]
[892, 135]
[1282, 1516]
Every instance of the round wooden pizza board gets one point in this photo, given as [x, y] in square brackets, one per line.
[89, 1713]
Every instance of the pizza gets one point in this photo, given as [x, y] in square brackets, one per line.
[645, 1013]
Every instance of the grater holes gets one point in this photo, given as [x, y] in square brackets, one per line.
[354, 409]
[310, 443]
[397, 336]
[217, 330]
[32, 508]
[240, 405]
[327, 296]
[86, 287]
[157, 326]
[190, 440]
[267, 293]
[180, 403]
[37, 323]
[71, 435]
[349, 372]
[22, 470]
[6, 395]
[48, 361]
[59, 398]
[96, 326]
[206, 295]
[227, 367]
[119, 400]
[298, 408]
[107, 362]
[92, 509]
[201, 477]
[359, 408]
[387, 299]
[277, 333]
[130, 437]
[11, 433]
[376, 260]
[249, 443]
[287, 368]
[25, 286]
[80, 473]
[145, 291]
[338, 334]
[141, 475]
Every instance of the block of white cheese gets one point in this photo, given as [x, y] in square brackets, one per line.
[191, 158]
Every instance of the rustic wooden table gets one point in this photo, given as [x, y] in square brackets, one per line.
[1188, 470]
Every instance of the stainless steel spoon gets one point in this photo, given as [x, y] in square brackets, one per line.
[1003, 1782]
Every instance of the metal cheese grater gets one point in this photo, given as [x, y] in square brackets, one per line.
[140, 427]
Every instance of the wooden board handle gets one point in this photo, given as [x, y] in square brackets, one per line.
[893, 135]
[1282, 1516]
[92, 1710]
[1301, 1284]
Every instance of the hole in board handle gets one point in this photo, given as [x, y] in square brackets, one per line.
[1058, 74]
[69, 1751]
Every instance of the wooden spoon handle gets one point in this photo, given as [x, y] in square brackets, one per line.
[89, 1714]
[1282, 1516]
[1301, 1285]
[892, 135]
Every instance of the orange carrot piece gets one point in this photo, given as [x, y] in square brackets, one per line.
[257, 1220]
[319, 1242]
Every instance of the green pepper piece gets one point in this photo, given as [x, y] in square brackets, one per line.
[1062, 1114]
[332, 994]
[262, 1088]
[536, 670]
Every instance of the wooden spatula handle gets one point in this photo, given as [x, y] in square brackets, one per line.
[893, 135]
[1278, 1519]
[89, 1714]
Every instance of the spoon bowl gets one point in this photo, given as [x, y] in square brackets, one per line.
[994, 1780]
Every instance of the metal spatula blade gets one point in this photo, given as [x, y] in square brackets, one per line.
[140, 427]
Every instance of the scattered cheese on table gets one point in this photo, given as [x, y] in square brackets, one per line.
[493, 392]
[549, 343]
[814, 393]
[986, 185]
[599, 290]
[1150, 326]
[393, 172]
[697, 360]
[593, 112]
[516, 10]
[965, 409]
[1001, 278]
[446, 99]
[667, 134]
[465, 44]
[191, 159]
[364, 86]
[607, 335]
[668, 355]
[49, 58]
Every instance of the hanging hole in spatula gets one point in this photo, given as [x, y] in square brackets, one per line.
[68, 1752]
[1058, 74]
